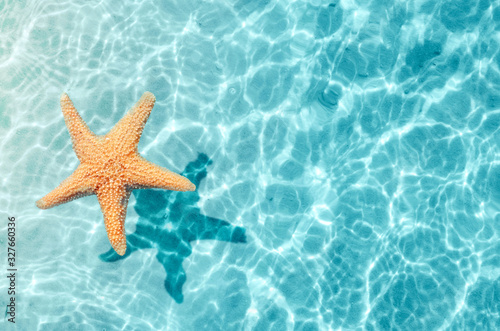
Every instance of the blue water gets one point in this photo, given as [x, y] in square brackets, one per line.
[346, 156]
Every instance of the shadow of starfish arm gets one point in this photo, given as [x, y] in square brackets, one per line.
[112, 256]
[135, 243]
[196, 170]
[217, 229]
[176, 276]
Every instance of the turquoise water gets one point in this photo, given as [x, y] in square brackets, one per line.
[346, 156]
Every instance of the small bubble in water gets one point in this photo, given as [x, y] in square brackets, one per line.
[232, 90]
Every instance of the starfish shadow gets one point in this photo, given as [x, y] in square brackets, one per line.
[170, 221]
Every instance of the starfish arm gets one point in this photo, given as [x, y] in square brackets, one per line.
[113, 199]
[75, 186]
[144, 174]
[83, 139]
[127, 132]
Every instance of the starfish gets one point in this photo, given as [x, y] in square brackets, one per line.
[111, 167]
[170, 222]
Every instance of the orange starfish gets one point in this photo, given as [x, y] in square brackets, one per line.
[110, 167]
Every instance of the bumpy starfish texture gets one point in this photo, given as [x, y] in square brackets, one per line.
[111, 167]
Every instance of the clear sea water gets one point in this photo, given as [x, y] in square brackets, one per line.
[346, 155]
